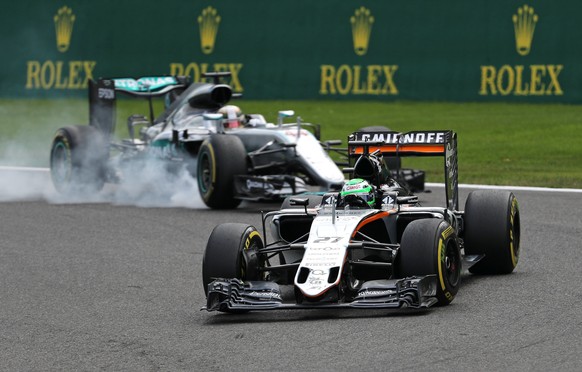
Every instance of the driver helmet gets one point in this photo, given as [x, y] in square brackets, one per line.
[360, 188]
[232, 116]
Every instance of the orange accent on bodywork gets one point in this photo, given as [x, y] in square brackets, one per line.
[403, 149]
[370, 219]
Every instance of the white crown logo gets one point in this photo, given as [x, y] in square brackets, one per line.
[208, 21]
[524, 23]
[361, 22]
[64, 20]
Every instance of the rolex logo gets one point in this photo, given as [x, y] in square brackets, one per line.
[64, 20]
[361, 22]
[208, 22]
[524, 23]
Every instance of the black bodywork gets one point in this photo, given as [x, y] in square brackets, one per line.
[272, 164]
[398, 254]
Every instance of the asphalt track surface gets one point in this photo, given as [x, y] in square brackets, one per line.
[105, 286]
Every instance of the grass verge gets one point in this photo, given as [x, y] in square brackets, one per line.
[499, 143]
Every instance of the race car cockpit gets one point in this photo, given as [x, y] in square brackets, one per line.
[370, 179]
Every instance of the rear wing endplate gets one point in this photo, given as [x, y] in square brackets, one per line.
[416, 143]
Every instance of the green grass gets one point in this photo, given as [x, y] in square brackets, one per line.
[499, 143]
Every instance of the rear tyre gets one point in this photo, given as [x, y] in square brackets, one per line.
[430, 247]
[492, 228]
[220, 158]
[232, 252]
[78, 159]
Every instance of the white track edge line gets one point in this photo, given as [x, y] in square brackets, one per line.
[430, 184]
[498, 187]
[22, 169]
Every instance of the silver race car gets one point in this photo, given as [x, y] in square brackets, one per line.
[232, 156]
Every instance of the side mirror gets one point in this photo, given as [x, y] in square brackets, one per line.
[284, 114]
[410, 199]
[300, 201]
[304, 202]
[210, 117]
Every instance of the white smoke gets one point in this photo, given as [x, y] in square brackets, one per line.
[151, 185]
[25, 147]
[18, 184]
[23, 172]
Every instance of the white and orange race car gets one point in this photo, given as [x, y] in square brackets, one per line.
[371, 245]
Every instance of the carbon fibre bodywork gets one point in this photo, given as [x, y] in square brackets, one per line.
[335, 251]
[280, 159]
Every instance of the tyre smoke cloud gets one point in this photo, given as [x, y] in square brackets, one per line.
[153, 183]
[25, 175]
[23, 172]
[148, 185]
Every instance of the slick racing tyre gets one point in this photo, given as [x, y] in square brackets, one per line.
[429, 247]
[221, 157]
[232, 252]
[492, 228]
[78, 159]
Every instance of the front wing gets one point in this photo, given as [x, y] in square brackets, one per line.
[235, 294]
[268, 187]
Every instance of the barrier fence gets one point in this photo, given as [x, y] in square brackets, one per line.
[450, 50]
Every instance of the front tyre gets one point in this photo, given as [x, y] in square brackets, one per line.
[232, 252]
[78, 159]
[430, 247]
[492, 228]
[221, 157]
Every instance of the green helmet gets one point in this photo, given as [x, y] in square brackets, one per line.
[358, 188]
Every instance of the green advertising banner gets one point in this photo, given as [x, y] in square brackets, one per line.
[480, 50]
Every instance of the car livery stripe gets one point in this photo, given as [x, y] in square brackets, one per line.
[368, 220]
[403, 149]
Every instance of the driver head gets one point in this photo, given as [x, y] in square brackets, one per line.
[232, 116]
[358, 188]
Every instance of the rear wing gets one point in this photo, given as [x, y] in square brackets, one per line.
[148, 86]
[103, 95]
[416, 143]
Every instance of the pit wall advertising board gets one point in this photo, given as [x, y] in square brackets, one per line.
[451, 50]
